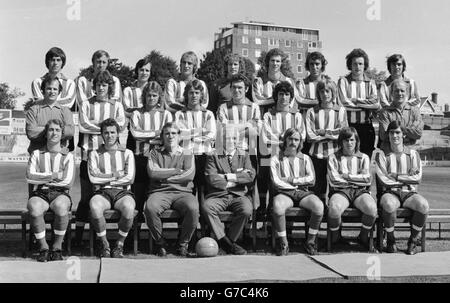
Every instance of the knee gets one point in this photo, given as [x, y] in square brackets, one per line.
[61, 208]
[207, 207]
[96, 208]
[192, 208]
[128, 208]
[334, 211]
[34, 208]
[317, 207]
[246, 209]
[370, 208]
[422, 206]
[388, 206]
[150, 208]
[277, 209]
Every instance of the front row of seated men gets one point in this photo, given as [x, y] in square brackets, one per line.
[229, 177]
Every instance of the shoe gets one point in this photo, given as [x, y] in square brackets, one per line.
[43, 255]
[309, 248]
[182, 251]
[411, 250]
[282, 249]
[391, 247]
[105, 252]
[161, 247]
[117, 252]
[237, 250]
[56, 255]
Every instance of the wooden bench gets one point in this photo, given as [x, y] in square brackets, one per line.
[439, 216]
[113, 216]
[15, 217]
[48, 218]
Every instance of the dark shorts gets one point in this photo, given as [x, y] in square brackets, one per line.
[401, 195]
[48, 195]
[350, 193]
[113, 194]
[296, 195]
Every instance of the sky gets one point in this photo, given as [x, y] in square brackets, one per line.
[129, 30]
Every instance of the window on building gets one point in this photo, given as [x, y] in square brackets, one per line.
[258, 41]
[257, 53]
[305, 35]
[245, 39]
[312, 44]
[271, 42]
[245, 27]
[222, 43]
[299, 69]
[299, 56]
[245, 52]
[229, 40]
[217, 44]
[258, 30]
[287, 43]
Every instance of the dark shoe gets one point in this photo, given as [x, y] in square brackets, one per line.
[117, 252]
[391, 247]
[182, 251]
[282, 249]
[43, 255]
[56, 255]
[411, 250]
[309, 248]
[364, 242]
[105, 252]
[161, 250]
[237, 250]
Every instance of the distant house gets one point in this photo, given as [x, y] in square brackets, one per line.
[428, 106]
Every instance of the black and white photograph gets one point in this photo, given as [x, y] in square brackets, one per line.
[224, 150]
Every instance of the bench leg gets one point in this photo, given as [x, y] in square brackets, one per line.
[69, 238]
[328, 238]
[424, 239]
[30, 240]
[91, 240]
[254, 229]
[150, 243]
[273, 237]
[135, 238]
[380, 234]
[371, 239]
[24, 239]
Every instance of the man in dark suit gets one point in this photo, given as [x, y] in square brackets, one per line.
[229, 174]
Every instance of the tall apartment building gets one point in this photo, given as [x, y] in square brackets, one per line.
[250, 38]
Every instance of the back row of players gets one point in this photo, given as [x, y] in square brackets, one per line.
[315, 109]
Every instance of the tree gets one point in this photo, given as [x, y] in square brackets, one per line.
[116, 68]
[286, 67]
[8, 96]
[163, 67]
[212, 67]
[379, 77]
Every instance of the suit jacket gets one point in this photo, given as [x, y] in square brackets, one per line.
[217, 166]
